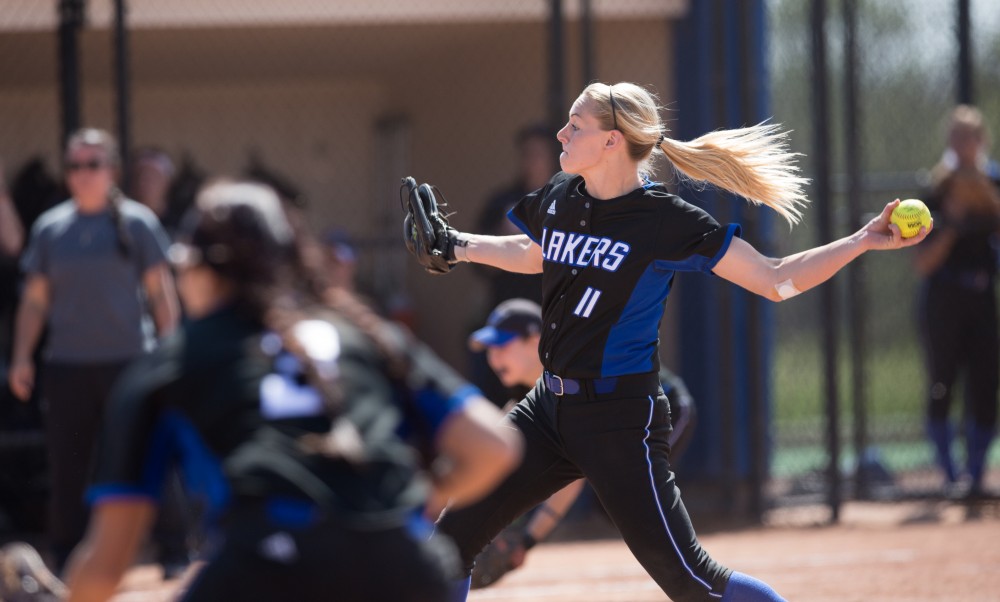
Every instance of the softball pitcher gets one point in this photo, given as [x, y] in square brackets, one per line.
[608, 243]
[510, 341]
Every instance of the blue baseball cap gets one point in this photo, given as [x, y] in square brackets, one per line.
[340, 244]
[511, 319]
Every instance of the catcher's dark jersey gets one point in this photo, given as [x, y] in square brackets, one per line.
[608, 267]
[224, 400]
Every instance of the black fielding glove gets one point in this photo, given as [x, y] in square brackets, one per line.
[426, 231]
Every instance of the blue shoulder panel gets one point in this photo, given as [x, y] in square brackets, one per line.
[631, 344]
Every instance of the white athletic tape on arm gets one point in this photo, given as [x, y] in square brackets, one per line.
[786, 289]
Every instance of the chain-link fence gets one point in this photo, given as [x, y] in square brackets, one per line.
[338, 99]
[332, 102]
[907, 83]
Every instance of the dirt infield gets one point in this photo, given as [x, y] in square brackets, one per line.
[912, 552]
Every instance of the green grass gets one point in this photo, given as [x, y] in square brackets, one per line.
[897, 457]
[895, 408]
[894, 405]
[895, 388]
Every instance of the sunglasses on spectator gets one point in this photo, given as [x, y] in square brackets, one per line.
[92, 165]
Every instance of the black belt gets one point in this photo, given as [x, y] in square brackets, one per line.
[628, 385]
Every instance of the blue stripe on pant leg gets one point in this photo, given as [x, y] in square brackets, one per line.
[659, 505]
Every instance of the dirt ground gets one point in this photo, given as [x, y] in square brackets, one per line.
[913, 552]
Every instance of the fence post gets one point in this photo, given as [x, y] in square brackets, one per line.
[557, 75]
[857, 314]
[828, 301]
[71, 13]
[966, 88]
[123, 87]
[726, 359]
[587, 41]
[755, 106]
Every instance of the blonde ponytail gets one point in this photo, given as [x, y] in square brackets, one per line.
[753, 162]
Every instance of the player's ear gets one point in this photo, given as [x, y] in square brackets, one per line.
[615, 139]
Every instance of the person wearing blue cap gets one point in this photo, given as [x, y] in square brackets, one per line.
[341, 258]
[510, 340]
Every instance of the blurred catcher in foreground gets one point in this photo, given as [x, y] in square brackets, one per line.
[313, 429]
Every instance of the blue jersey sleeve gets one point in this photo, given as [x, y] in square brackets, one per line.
[143, 437]
[172, 441]
[406, 398]
[133, 446]
[438, 390]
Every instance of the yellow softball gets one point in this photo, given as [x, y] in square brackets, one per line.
[910, 215]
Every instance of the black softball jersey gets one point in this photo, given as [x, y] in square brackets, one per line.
[224, 400]
[609, 265]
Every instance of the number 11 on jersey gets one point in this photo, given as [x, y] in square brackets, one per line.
[586, 304]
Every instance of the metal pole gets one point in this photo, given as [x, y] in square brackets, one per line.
[751, 28]
[587, 40]
[71, 13]
[855, 271]
[965, 75]
[557, 76]
[121, 68]
[828, 303]
[695, 45]
[727, 364]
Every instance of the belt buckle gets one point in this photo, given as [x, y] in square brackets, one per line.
[562, 387]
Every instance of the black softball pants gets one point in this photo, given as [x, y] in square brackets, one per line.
[960, 329]
[620, 446]
[74, 397]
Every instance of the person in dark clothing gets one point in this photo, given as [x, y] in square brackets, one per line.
[958, 299]
[11, 242]
[151, 174]
[323, 440]
[24, 487]
[537, 160]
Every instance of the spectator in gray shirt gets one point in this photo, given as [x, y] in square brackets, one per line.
[96, 275]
